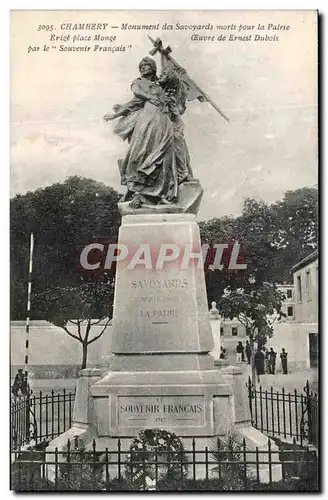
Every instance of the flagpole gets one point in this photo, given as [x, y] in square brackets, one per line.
[166, 52]
[28, 308]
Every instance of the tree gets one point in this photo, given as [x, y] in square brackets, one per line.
[75, 307]
[272, 239]
[255, 231]
[220, 231]
[255, 309]
[295, 228]
[64, 218]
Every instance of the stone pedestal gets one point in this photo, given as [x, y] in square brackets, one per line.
[215, 322]
[161, 374]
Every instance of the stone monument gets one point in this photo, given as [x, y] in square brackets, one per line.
[161, 372]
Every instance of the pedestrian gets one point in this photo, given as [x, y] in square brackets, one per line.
[272, 361]
[239, 351]
[19, 384]
[243, 354]
[283, 357]
[267, 361]
[248, 351]
[259, 363]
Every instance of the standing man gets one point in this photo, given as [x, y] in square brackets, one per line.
[239, 351]
[242, 353]
[272, 361]
[267, 361]
[283, 357]
[259, 363]
[19, 384]
[248, 351]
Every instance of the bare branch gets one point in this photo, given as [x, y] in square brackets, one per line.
[79, 329]
[99, 334]
[87, 331]
[74, 322]
[243, 320]
[97, 322]
[71, 334]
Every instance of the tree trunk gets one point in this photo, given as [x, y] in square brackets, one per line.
[84, 356]
[251, 338]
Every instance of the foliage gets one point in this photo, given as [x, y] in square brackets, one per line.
[64, 218]
[85, 470]
[220, 231]
[78, 474]
[155, 445]
[227, 453]
[296, 227]
[253, 309]
[216, 484]
[272, 239]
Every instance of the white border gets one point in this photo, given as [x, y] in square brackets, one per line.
[4, 172]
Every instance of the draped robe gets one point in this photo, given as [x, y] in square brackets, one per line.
[157, 159]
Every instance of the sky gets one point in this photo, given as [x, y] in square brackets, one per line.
[268, 90]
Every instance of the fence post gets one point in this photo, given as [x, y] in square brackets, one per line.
[261, 408]
[206, 463]
[27, 417]
[52, 414]
[119, 457]
[257, 465]
[296, 413]
[193, 459]
[272, 409]
[69, 460]
[284, 411]
[270, 461]
[69, 410]
[94, 464]
[245, 463]
[64, 409]
[106, 467]
[156, 467]
[56, 468]
[250, 394]
[40, 424]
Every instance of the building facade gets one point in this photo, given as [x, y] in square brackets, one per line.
[306, 286]
[288, 306]
[297, 332]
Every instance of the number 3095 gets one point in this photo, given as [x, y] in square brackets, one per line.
[45, 27]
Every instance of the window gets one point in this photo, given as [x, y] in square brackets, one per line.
[299, 288]
[290, 311]
[221, 331]
[289, 293]
[308, 285]
[234, 331]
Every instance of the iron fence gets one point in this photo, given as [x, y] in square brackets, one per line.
[276, 413]
[285, 414]
[40, 417]
[217, 468]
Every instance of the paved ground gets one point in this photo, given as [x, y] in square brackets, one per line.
[296, 380]
[290, 382]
